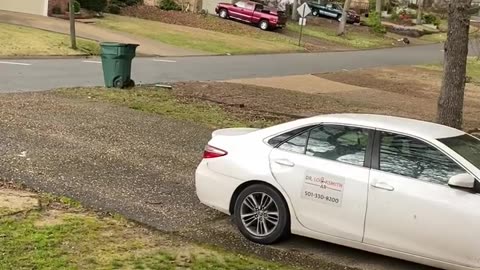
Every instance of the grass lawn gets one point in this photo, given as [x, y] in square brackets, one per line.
[164, 102]
[25, 41]
[199, 39]
[359, 40]
[60, 234]
[473, 69]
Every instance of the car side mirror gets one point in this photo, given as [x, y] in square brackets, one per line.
[463, 180]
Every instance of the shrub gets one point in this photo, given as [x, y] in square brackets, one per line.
[57, 10]
[94, 5]
[412, 6]
[372, 5]
[169, 5]
[431, 19]
[374, 21]
[133, 2]
[395, 17]
[114, 9]
[76, 7]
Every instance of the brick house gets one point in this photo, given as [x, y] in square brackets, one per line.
[61, 4]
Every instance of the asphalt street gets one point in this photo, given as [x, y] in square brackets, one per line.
[44, 74]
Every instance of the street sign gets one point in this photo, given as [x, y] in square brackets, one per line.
[304, 10]
[302, 21]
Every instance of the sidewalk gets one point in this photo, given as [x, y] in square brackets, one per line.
[147, 46]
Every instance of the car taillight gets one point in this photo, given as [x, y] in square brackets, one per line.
[213, 152]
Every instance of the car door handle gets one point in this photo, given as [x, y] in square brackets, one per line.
[285, 162]
[383, 186]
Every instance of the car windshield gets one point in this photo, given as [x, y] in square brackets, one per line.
[466, 146]
[337, 7]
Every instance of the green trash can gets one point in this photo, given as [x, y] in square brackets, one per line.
[117, 64]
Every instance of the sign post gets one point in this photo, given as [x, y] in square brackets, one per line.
[304, 10]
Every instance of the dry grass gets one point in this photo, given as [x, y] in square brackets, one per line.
[24, 41]
[199, 39]
[63, 235]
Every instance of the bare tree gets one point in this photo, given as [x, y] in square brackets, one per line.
[73, 38]
[343, 22]
[420, 11]
[294, 10]
[450, 102]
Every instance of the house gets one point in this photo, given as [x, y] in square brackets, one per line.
[36, 7]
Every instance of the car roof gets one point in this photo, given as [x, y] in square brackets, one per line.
[407, 126]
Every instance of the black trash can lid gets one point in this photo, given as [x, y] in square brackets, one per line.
[117, 44]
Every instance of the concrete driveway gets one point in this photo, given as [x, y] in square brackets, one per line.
[140, 165]
[147, 46]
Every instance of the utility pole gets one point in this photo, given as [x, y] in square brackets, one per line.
[73, 38]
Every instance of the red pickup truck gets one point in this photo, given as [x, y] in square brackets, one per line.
[252, 12]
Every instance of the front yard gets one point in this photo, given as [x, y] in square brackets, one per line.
[201, 39]
[41, 231]
[189, 30]
[25, 41]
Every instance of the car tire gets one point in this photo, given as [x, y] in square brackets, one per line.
[223, 13]
[315, 12]
[261, 214]
[339, 18]
[263, 25]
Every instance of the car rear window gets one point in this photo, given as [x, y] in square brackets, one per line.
[277, 140]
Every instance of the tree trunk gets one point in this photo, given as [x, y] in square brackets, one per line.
[450, 102]
[378, 7]
[294, 10]
[343, 22]
[420, 12]
[73, 39]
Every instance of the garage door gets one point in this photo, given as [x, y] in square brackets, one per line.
[38, 7]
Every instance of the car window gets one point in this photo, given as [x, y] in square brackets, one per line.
[277, 140]
[413, 158]
[258, 7]
[296, 144]
[466, 146]
[339, 143]
[329, 5]
[240, 4]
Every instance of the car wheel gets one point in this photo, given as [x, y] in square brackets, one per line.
[261, 214]
[339, 17]
[223, 14]
[263, 25]
[315, 12]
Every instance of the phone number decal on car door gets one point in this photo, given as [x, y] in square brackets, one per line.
[323, 188]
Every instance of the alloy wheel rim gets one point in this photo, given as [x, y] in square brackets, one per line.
[259, 214]
[264, 25]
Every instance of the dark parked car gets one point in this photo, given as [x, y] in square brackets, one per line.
[333, 10]
[254, 13]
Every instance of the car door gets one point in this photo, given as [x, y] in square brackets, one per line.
[412, 209]
[236, 11]
[323, 171]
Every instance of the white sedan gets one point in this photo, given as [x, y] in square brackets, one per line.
[399, 187]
